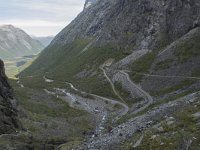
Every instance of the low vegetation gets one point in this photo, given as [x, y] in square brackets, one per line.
[126, 95]
[49, 119]
[182, 132]
[143, 65]
[163, 65]
[174, 88]
[188, 50]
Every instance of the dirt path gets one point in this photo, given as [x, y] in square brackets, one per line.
[162, 76]
[112, 85]
[144, 94]
[104, 113]
[90, 105]
[139, 141]
[113, 102]
[127, 129]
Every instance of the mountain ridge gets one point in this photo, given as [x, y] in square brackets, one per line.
[16, 43]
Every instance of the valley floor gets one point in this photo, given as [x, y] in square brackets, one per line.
[57, 115]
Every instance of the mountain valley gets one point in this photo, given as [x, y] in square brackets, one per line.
[123, 75]
[44, 40]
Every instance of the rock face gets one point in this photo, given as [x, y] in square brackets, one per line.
[89, 3]
[8, 113]
[124, 30]
[15, 43]
[134, 24]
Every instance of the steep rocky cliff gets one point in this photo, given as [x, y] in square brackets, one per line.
[117, 28]
[144, 21]
[8, 113]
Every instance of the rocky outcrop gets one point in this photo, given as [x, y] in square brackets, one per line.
[89, 3]
[135, 24]
[8, 113]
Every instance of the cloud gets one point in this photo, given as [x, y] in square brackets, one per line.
[41, 15]
[42, 31]
[56, 9]
[34, 23]
[37, 27]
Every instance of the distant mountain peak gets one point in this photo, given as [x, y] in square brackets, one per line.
[16, 43]
[89, 3]
[7, 26]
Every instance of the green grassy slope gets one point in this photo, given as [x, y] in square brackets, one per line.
[47, 120]
[65, 62]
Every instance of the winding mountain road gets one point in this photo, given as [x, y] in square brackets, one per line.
[144, 94]
[112, 85]
[89, 107]
[113, 102]
[128, 128]
[131, 126]
[162, 76]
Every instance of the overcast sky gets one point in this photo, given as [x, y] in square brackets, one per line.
[39, 17]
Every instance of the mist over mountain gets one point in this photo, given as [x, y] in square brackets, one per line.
[44, 40]
[14, 42]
